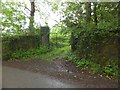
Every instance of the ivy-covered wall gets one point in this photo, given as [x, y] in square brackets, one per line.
[101, 48]
[11, 44]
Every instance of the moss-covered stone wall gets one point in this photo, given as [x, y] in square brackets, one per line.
[101, 49]
[11, 44]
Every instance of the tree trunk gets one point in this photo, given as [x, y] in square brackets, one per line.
[31, 26]
[74, 42]
[88, 12]
[95, 14]
[118, 14]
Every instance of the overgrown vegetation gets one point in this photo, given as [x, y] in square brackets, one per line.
[64, 53]
[110, 70]
[10, 44]
[94, 34]
[41, 53]
[59, 40]
[25, 54]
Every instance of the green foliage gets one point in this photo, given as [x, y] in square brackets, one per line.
[57, 38]
[37, 31]
[11, 44]
[13, 20]
[6, 55]
[110, 71]
[75, 17]
[42, 52]
[97, 45]
[21, 54]
[85, 64]
[56, 53]
[91, 37]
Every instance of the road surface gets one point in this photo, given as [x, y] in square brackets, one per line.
[16, 78]
[40, 74]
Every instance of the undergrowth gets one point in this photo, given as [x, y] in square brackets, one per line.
[57, 53]
[43, 53]
[109, 71]
[22, 54]
[49, 54]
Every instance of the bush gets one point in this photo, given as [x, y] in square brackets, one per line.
[98, 46]
[87, 64]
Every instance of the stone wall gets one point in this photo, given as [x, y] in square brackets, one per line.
[11, 44]
[101, 49]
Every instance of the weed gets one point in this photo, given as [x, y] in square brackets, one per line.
[43, 52]
[108, 70]
[20, 54]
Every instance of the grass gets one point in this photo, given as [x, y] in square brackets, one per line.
[57, 53]
[43, 53]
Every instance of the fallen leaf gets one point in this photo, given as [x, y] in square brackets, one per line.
[75, 76]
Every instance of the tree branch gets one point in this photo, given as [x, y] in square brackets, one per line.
[25, 14]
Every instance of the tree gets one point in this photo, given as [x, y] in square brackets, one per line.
[118, 14]
[73, 15]
[81, 18]
[95, 13]
[88, 12]
[31, 26]
[13, 20]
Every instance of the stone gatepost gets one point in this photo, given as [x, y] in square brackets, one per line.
[45, 35]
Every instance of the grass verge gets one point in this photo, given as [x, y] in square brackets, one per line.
[110, 70]
[43, 53]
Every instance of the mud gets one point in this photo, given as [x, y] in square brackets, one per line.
[65, 72]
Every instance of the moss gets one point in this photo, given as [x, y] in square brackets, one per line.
[100, 49]
[11, 44]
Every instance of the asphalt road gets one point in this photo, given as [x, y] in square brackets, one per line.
[16, 78]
